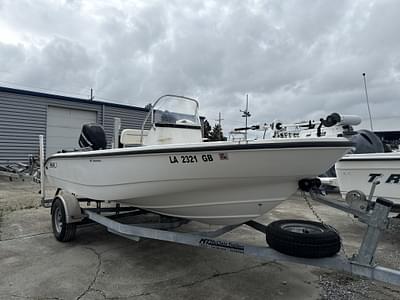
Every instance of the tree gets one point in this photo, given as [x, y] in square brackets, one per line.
[217, 134]
[206, 129]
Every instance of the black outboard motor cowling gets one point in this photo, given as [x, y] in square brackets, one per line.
[367, 142]
[93, 136]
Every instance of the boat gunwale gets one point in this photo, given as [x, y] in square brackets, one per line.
[381, 158]
[219, 147]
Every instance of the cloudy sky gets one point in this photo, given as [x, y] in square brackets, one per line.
[295, 59]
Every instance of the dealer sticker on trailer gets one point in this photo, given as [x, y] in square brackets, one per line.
[221, 245]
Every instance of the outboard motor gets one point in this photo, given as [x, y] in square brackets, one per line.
[367, 142]
[93, 136]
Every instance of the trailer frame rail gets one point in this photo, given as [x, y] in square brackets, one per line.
[362, 263]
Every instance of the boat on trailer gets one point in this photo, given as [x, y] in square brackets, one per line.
[362, 171]
[275, 164]
[171, 171]
[370, 170]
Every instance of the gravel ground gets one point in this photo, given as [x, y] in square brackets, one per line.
[336, 286]
[16, 195]
[24, 197]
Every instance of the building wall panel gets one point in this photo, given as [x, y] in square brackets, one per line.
[23, 117]
[21, 122]
[129, 120]
[64, 127]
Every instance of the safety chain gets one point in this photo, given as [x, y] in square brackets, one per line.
[312, 208]
[321, 221]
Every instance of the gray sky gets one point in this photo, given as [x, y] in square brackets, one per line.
[296, 59]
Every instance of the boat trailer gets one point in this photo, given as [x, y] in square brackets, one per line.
[162, 229]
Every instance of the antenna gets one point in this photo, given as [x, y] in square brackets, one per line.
[246, 114]
[366, 96]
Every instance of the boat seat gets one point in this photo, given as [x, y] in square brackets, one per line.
[132, 137]
[93, 136]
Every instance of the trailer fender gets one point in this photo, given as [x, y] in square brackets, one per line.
[71, 205]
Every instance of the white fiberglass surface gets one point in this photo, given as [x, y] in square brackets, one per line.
[364, 156]
[202, 144]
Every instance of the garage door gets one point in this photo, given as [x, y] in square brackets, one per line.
[64, 127]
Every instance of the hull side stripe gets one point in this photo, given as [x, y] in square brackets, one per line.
[104, 153]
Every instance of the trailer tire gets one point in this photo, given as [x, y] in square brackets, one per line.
[302, 238]
[63, 231]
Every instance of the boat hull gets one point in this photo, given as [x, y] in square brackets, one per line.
[358, 171]
[221, 183]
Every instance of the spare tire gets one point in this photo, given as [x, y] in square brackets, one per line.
[302, 238]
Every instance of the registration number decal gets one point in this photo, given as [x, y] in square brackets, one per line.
[190, 159]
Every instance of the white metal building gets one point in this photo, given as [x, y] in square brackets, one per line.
[24, 115]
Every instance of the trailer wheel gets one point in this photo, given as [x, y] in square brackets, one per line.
[62, 231]
[302, 238]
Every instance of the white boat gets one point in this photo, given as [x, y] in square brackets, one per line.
[173, 172]
[353, 171]
[359, 171]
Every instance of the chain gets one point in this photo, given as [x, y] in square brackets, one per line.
[312, 208]
[309, 204]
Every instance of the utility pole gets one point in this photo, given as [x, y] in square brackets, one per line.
[91, 94]
[246, 114]
[219, 119]
[366, 96]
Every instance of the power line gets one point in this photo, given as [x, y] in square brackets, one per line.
[39, 88]
[60, 92]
